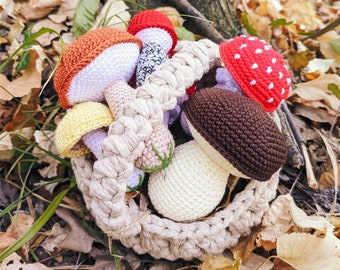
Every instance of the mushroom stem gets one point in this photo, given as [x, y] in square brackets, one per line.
[93, 140]
[190, 187]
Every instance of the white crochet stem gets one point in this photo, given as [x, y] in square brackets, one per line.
[93, 140]
[103, 183]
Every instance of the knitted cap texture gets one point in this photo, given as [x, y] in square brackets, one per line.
[78, 121]
[239, 129]
[190, 187]
[155, 19]
[258, 69]
[82, 52]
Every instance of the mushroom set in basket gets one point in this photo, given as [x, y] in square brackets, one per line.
[232, 132]
[96, 70]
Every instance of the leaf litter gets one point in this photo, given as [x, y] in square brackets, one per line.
[301, 216]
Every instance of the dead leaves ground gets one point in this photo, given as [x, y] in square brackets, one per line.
[300, 231]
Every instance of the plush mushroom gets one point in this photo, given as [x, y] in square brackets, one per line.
[159, 38]
[232, 135]
[254, 68]
[82, 130]
[93, 62]
[159, 146]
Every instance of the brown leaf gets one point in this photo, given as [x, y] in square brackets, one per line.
[20, 223]
[220, 263]
[14, 262]
[46, 39]
[245, 246]
[23, 85]
[299, 60]
[45, 140]
[326, 179]
[78, 238]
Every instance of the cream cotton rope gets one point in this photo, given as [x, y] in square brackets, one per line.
[103, 183]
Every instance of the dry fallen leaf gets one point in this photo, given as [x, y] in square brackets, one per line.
[23, 85]
[314, 101]
[305, 251]
[14, 262]
[20, 223]
[73, 237]
[283, 215]
[220, 263]
[173, 15]
[46, 39]
[113, 14]
[45, 140]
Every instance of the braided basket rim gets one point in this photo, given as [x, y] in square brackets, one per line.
[144, 231]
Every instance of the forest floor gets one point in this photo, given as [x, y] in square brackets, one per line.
[43, 215]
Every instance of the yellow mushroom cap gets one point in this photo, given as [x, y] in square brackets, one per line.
[78, 121]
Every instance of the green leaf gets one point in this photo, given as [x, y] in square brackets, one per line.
[280, 22]
[84, 17]
[184, 34]
[246, 24]
[334, 89]
[30, 40]
[335, 44]
[24, 59]
[38, 224]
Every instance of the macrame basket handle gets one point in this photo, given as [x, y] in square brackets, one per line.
[103, 183]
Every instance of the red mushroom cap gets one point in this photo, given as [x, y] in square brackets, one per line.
[82, 52]
[152, 18]
[259, 70]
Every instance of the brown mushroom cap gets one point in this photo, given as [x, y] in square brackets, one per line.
[239, 129]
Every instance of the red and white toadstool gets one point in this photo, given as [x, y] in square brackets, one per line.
[256, 69]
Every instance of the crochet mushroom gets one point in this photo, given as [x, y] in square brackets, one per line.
[83, 129]
[254, 68]
[159, 146]
[159, 38]
[93, 62]
[232, 135]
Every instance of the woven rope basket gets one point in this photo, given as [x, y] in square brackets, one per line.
[103, 182]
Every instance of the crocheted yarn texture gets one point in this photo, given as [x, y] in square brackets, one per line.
[255, 147]
[259, 70]
[152, 19]
[84, 51]
[103, 183]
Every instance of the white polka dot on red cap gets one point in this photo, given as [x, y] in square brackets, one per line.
[254, 66]
[258, 51]
[283, 91]
[271, 86]
[253, 82]
[267, 48]
[288, 81]
[274, 60]
[270, 100]
[269, 70]
[280, 75]
[243, 46]
[237, 56]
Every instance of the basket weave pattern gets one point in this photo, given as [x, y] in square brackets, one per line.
[103, 183]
